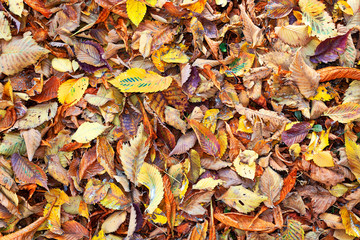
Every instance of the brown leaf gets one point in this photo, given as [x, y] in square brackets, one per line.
[344, 113]
[321, 199]
[172, 96]
[244, 222]
[169, 203]
[49, 90]
[89, 166]
[27, 171]
[56, 170]
[184, 143]
[192, 204]
[271, 184]
[305, 77]
[105, 155]
[32, 139]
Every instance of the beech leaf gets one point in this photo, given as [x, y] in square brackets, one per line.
[150, 177]
[27, 171]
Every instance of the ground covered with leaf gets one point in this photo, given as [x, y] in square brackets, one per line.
[156, 119]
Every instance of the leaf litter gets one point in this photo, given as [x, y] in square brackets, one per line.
[205, 119]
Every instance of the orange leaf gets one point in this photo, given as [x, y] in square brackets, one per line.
[206, 138]
[331, 73]
[244, 222]
[105, 155]
[289, 183]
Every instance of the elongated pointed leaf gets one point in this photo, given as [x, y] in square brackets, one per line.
[344, 113]
[206, 138]
[139, 80]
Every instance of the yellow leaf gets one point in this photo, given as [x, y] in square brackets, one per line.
[353, 154]
[99, 236]
[344, 7]
[317, 143]
[245, 164]
[315, 16]
[210, 119]
[338, 190]
[323, 159]
[244, 125]
[136, 11]
[16, 6]
[179, 181]
[88, 131]
[324, 93]
[158, 216]
[207, 183]
[195, 6]
[150, 177]
[223, 141]
[115, 198]
[5, 32]
[295, 150]
[175, 55]
[71, 91]
[139, 80]
[37, 115]
[62, 64]
[350, 222]
[242, 199]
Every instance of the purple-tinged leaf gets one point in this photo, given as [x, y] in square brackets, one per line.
[296, 133]
[90, 56]
[330, 49]
[189, 87]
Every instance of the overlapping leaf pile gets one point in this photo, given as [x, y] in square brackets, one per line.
[205, 119]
